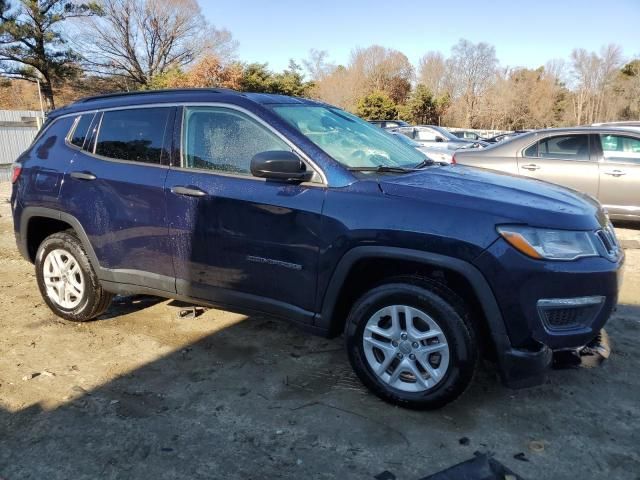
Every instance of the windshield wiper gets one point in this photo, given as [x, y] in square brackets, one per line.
[427, 162]
[381, 169]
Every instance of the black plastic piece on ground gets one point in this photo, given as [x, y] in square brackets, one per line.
[386, 475]
[482, 467]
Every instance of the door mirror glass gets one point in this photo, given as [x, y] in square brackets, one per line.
[280, 165]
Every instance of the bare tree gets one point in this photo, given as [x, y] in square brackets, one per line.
[433, 74]
[473, 67]
[317, 66]
[593, 76]
[137, 40]
[382, 69]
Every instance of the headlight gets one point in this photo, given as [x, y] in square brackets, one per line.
[547, 244]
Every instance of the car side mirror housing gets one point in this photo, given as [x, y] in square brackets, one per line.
[280, 165]
[439, 139]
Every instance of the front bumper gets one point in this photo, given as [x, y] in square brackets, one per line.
[521, 285]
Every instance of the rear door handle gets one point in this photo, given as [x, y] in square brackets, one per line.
[615, 173]
[83, 175]
[531, 166]
[188, 191]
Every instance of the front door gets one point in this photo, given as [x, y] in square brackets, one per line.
[620, 174]
[239, 240]
[562, 159]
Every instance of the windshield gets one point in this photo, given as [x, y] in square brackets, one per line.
[350, 140]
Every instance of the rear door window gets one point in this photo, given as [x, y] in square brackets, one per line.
[565, 147]
[135, 135]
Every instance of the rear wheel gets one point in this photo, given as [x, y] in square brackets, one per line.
[67, 281]
[411, 342]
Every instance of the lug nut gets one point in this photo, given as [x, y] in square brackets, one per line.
[415, 345]
[412, 356]
[403, 336]
[394, 343]
[400, 355]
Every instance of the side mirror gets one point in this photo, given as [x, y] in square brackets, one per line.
[280, 165]
[439, 139]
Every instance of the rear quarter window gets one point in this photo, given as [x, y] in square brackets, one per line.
[81, 130]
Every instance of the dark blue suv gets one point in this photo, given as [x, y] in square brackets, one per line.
[301, 210]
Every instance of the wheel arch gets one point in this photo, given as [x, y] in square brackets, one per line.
[336, 301]
[50, 221]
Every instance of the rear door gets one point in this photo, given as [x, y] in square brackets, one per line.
[562, 159]
[115, 188]
[237, 239]
[619, 173]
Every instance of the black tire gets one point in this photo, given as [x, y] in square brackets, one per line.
[94, 301]
[451, 315]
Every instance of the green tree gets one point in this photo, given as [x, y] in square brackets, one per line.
[376, 106]
[422, 107]
[256, 77]
[32, 46]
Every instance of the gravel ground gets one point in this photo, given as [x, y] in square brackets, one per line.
[141, 393]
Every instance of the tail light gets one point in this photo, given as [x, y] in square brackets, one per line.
[453, 159]
[16, 169]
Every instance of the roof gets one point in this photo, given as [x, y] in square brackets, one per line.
[111, 100]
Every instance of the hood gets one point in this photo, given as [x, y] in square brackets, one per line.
[507, 198]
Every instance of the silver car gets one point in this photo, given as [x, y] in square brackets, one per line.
[435, 154]
[438, 137]
[603, 162]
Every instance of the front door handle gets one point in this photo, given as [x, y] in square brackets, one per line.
[531, 166]
[615, 173]
[188, 191]
[83, 175]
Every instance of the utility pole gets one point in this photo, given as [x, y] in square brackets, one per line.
[40, 98]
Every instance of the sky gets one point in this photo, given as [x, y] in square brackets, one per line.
[525, 34]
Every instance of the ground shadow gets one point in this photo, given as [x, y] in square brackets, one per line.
[259, 399]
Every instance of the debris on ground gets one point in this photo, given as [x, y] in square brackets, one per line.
[536, 446]
[386, 475]
[481, 467]
[191, 312]
[464, 441]
[521, 456]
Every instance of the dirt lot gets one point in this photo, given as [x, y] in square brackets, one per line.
[143, 394]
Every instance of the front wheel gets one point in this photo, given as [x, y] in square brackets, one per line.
[67, 281]
[410, 341]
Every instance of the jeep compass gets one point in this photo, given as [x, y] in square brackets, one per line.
[295, 208]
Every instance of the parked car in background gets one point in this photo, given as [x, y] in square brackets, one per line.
[505, 136]
[290, 207]
[603, 162]
[434, 136]
[466, 134]
[389, 123]
[437, 154]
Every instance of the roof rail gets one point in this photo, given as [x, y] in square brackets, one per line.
[151, 92]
